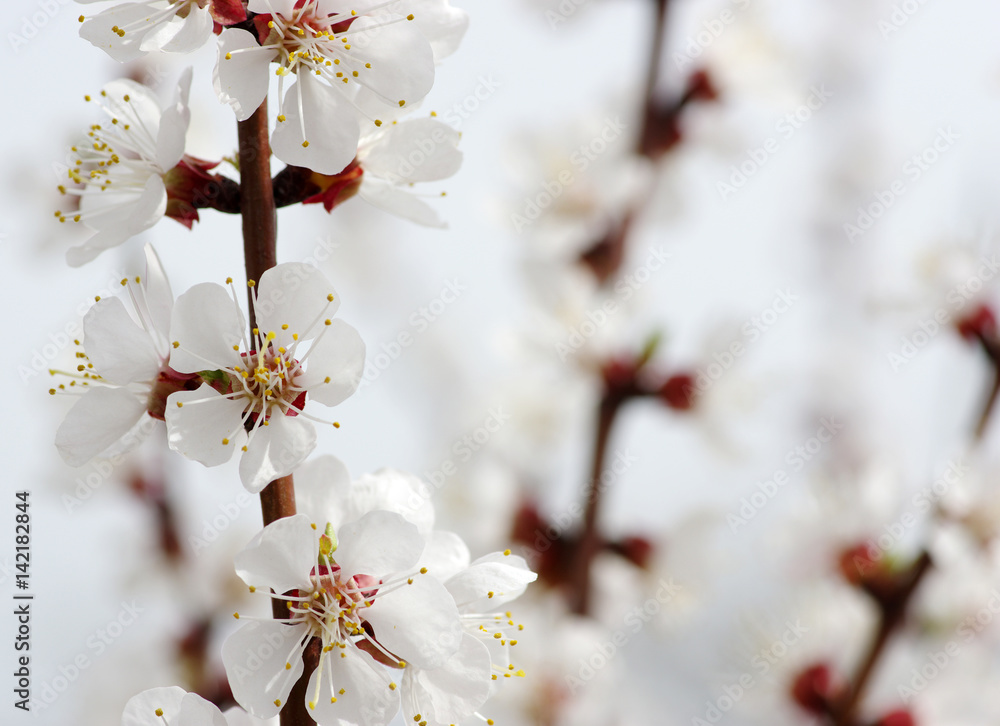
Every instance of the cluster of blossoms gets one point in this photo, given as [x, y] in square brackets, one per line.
[401, 617]
[217, 389]
[354, 71]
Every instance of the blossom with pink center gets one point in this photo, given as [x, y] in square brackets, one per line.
[256, 387]
[456, 690]
[127, 31]
[124, 374]
[345, 57]
[358, 590]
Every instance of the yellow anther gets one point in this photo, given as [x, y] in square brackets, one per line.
[277, 702]
[410, 16]
[176, 344]
[81, 19]
[368, 65]
[229, 281]
[341, 691]
[333, 699]
[85, 98]
[489, 594]
[225, 442]
[313, 525]
[180, 404]
[251, 283]
[236, 615]
[354, 73]
[423, 570]
[520, 673]
[328, 322]
[392, 686]
[159, 711]
[288, 666]
[402, 103]
[253, 589]
[497, 636]
[229, 56]
[506, 552]
[305, 144]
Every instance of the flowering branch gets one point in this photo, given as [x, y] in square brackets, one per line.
[260, 230]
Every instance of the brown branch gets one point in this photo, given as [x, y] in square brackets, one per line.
[893, 604]
[260, 230]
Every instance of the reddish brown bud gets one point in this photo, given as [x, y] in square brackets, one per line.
[980, 323]
[900, 717]
[814, 690]
[678, 392]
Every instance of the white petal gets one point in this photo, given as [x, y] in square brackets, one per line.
[281, 556]
[506, 577]
[98, 420]
[380, 543]
[242, 80]
[393, 491]
[402, 63]
[445, 555]
[414, 151]
[418, 622]
[321, 487]
[276, 7]
[150, 207]
[174, 123]
[207, 324]
[196, 711]
[443, 25]
[159, 296]
[367, 699]
[296, 295]
[338, 355]
[393, 200]
[143, 106]
[197, 429]
[121, 351]
[255, 657]
[121, 48]
[189, 34]
[236, 716]
[276, 450]
[325, 120]
[454, 691]
[141, 709]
